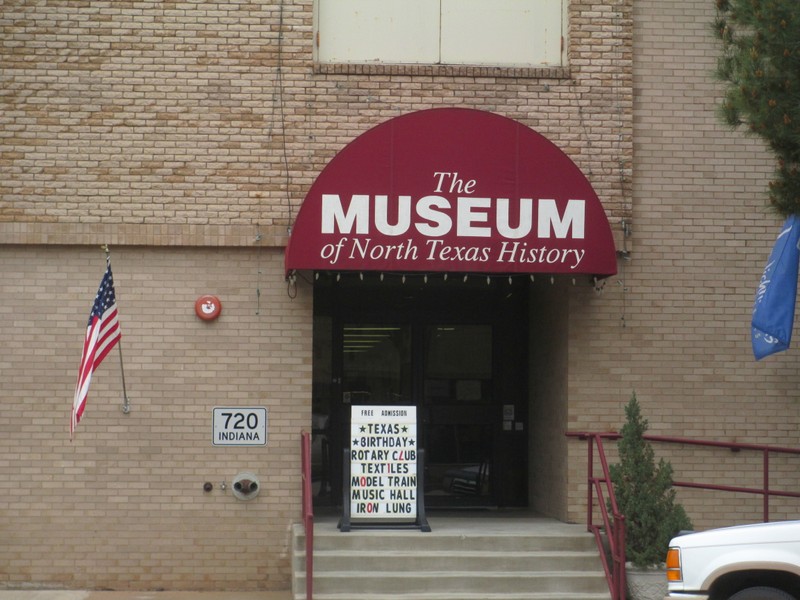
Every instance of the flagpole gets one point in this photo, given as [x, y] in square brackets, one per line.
[126, 405]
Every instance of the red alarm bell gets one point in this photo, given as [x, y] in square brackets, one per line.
[208, 307]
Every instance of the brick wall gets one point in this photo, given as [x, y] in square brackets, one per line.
[122, 506]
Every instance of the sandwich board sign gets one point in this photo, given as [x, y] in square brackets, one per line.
[383, 471]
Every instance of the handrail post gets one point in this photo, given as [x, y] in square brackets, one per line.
[621, 575]
[766, 485]
[615, 526]
[590, 491]
[308, 511]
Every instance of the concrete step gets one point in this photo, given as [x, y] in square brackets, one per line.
[456, 582]
[571, 539]
[450, 596]
[461, 559]
[413, 561]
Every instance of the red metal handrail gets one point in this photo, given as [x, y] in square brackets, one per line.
[308, 511]
[614, 524]
[765, 450]
[615, 572]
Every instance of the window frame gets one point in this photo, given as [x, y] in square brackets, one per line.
[326, 62]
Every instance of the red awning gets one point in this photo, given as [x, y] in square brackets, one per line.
[452, 190]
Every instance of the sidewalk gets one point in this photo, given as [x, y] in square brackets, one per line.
[85, 595]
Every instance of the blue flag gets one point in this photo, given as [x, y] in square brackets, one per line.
[773, 309]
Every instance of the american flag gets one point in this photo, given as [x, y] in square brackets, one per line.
[102, 334]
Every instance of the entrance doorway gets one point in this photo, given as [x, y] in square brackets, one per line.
[453, 349]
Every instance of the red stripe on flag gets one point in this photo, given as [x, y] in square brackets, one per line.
[109, 335]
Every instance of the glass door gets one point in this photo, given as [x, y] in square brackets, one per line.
[457, 350]
[457, 412]
[445, 370]
[376, 364]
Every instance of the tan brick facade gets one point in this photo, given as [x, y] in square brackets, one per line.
[186, 134]
[122, 506]
[179, 117]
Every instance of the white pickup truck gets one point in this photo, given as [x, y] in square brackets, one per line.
[748, 562]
